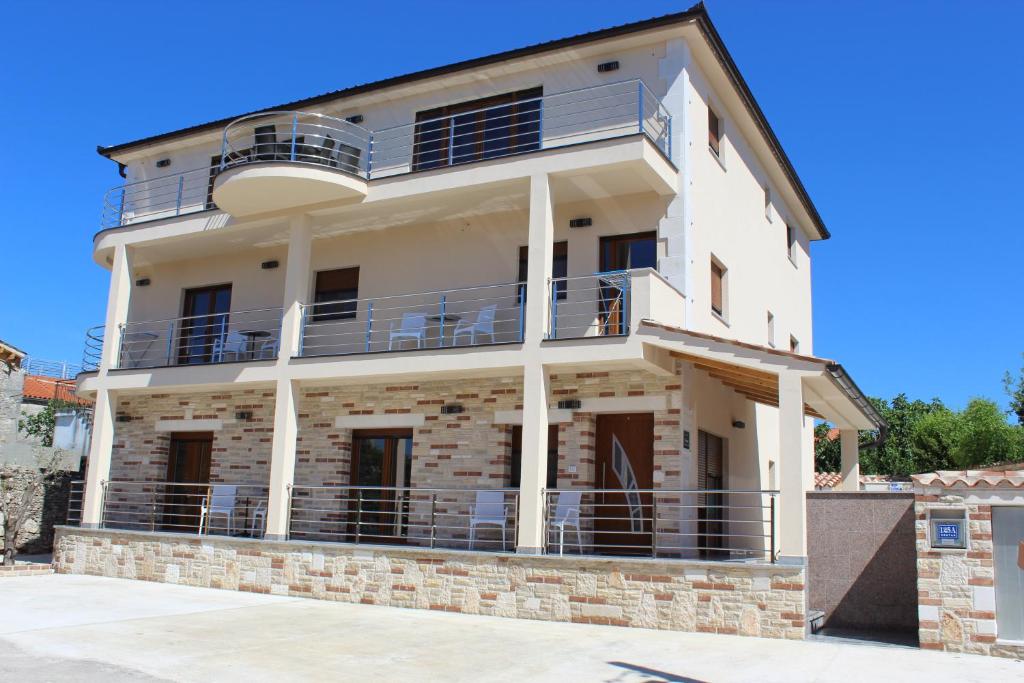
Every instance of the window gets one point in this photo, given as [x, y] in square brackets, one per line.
[517, 457]
[771, 329]
[768, 202]
[479, 129]
[791, 242]
[718, 288]
[714, 132]
[623, 252]
[794, 344]
[339, 287]
[559, 267]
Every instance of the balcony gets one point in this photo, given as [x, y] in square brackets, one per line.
[608, 304]
[280, 160]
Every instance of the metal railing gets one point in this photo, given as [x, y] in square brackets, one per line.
[699, 524]
[200, 339]
[297, 137]
[467, 519]
[527, 125]
[589, 305]
[199, 508]
[470, 316]
[92, 354]
[59, 369]
[76, 497]
[161, 197]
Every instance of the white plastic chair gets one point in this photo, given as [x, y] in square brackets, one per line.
[220, 502]
[259, 520]
[567, 514]
[231, 343]
[489, 510]
[413, 326]
[484, 324]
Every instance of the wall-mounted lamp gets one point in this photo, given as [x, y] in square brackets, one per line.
[452, 409]
[605, 67]
[582, 222]
[739, 424]
[142, 282]
[245, 415]
[570, 404]
[124, 418]
[269, 265]
[163, 163]
[355, 118]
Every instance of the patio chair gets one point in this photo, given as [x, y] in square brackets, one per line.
[348, 158]
[259, 520]
[265, 143]
[489, 510]
[567, 514]
[220, 502]
[484, 324]
[232, 343]
[413, 326]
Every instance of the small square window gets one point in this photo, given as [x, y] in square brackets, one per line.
[791, 242]
[771, 329]
[336, 291]
[794, 344]
[714, 132]
[768, 203]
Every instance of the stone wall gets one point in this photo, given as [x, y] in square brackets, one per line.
[956, 588]
[11, 384]
[752, 599]
[47, 508]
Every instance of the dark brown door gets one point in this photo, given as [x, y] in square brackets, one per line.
[625, 462]
[204, 321]
[381, 461]
[710, 477]
[618, 253]
[188, 462]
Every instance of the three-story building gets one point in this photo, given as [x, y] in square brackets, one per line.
[554, 301]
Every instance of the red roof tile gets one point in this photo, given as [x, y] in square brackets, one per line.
[40, 388]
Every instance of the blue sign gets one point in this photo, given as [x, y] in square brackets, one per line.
[948, 532]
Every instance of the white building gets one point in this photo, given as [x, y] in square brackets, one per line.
[556, 300]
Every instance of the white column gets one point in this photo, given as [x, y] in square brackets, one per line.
[795, 477]
[286, 405]
[282, 458]
[850, 456]
[102, 441]
[533, 476]
[688, 422]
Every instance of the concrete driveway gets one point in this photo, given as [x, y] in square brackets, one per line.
[56, 628]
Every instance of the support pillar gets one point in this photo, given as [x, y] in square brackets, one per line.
[533, 476]
[288, 393]
[850, 455]
[796, 477]
[102, 441]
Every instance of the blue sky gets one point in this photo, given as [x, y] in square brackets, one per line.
[901, 118]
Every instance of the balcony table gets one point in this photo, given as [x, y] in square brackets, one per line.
[251, 337]
[444, 322]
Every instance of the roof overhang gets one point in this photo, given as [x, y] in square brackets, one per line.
[753, 371]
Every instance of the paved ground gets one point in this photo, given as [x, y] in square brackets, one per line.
[63, 628]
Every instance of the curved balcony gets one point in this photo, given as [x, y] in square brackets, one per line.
[283, 159]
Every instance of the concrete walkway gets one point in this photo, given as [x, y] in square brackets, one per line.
[56, 628]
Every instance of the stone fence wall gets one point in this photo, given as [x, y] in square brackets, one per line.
[47, 509]
[754, 599]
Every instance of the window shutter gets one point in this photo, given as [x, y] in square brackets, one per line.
[716, 288]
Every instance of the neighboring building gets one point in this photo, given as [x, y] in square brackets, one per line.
[970, 560]
[556, 300]
[12, 378]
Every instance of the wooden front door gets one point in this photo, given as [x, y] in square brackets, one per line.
[381, 461]
[710, 477]
[188, 462]
[625, 466]
[204, 321]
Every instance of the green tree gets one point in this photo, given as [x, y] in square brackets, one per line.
[983, 436]
[1015, 390]
[826, 453]
[897, 455]
[42, 424]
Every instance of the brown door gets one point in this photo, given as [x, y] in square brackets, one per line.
[188, 462]
[204, 321]
[381, 461]
[625, 462]
[710, 477]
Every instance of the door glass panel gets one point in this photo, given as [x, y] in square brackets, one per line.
[205, 320]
